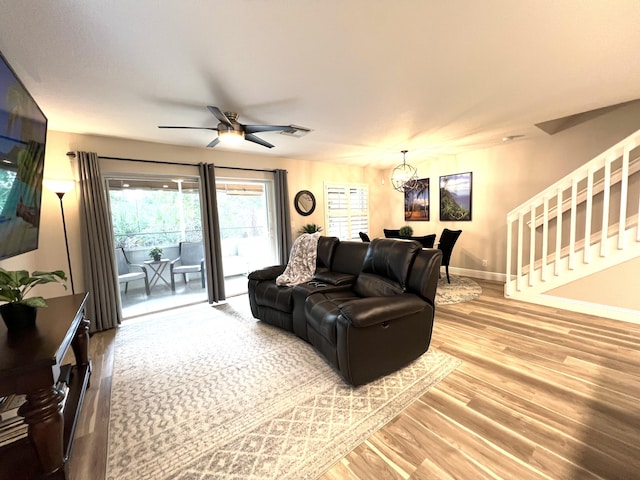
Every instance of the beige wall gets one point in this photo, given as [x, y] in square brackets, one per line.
[503, 177]
[617, 286]
[303, 175]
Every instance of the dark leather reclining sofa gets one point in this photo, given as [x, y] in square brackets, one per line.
[368, 310]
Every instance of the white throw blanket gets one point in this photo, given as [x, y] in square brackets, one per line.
[302, 261]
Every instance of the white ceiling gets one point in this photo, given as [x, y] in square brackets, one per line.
[369, 77]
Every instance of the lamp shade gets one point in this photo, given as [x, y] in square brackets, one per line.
[59, 186]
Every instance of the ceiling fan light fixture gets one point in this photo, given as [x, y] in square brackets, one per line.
[230, 136]
[230, 131]
[404, 177]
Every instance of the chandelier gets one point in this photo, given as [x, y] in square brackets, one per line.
[404, 177]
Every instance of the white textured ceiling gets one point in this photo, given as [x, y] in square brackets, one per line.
[369, 77]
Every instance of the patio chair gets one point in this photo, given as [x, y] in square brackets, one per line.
[128, 272]
[448, 239]
[190, 260]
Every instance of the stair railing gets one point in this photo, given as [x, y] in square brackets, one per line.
[546, 211]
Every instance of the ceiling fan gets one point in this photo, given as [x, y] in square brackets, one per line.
[231, 131]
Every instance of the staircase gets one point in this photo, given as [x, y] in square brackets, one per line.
[584, 223]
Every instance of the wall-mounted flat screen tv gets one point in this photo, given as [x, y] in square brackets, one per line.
[23, 134]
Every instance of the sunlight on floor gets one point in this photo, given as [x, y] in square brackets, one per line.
[135, 302]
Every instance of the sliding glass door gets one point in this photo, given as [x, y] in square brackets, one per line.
[161, 214]
[247, 218]
[163, 210]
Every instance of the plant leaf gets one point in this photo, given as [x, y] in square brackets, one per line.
[15, 284]
[13, 278]
[34, 302]
[56, 273]
[9, 294]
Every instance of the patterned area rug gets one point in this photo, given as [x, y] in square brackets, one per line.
[210, 393]
[461, 289]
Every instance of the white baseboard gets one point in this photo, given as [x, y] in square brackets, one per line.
[597, 309]
[465, 272]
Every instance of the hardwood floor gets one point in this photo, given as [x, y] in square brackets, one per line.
[541, 393]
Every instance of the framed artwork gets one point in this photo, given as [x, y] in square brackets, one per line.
[455, 197]
[416, 202]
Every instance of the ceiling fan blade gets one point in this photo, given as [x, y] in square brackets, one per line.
[192, 128]
[214, 142]
[264, 128]
[219, 115]
[252, 138]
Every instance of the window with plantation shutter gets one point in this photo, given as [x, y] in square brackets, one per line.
[346, 210]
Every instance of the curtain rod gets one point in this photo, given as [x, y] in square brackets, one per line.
[162, 162]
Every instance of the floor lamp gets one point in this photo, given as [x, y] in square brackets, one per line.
[60, 187]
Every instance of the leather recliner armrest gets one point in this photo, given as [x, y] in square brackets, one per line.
[334, 278]
[365, 312]
[268, 273]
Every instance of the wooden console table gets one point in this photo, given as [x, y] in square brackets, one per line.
[30, 364]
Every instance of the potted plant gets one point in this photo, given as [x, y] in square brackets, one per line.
[20, 312]
[156, 253]
[406, 231]
[310, 228]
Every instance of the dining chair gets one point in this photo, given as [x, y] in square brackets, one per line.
[364, 237]
[391, 233]
[426, 241]
[448, 239]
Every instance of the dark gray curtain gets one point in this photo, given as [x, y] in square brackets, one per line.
[283, 215]
[98, 254]
[211, 233]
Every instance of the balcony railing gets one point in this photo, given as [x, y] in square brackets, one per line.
[174, 237]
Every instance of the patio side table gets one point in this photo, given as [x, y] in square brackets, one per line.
[158, 267]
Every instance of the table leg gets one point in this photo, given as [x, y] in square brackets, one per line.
[161, 270]
[43, 415]
[158, 269]
[154, 277]
[80, 345]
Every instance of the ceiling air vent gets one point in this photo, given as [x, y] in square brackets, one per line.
[295, 131]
